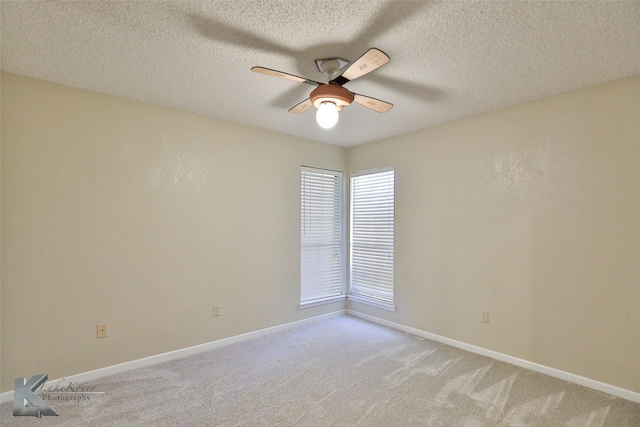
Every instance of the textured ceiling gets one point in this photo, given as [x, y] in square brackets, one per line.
[449, 60]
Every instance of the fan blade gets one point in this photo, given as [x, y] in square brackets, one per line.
[283, 75]
[371, 60]
[302, 107]
[372, 103]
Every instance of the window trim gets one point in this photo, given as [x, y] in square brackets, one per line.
[322, 301]
[341, 224]
[358, 297]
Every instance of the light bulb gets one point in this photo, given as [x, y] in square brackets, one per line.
[327, 115]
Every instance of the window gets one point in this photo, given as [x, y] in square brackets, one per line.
[321, 236]
[372, 231]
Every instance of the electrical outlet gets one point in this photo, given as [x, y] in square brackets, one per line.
[485, 316]
[216, 310]
[102, 330]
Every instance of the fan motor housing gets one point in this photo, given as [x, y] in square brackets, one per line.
[331, 93]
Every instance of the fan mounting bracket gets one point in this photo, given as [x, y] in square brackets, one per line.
[331, 66]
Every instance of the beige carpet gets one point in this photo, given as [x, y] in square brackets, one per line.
[339, 372]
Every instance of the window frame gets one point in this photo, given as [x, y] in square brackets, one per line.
[340, 235]
[358, 296]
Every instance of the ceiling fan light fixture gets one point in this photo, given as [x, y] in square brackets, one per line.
[340, 96]
[329, 99]
[327, 115]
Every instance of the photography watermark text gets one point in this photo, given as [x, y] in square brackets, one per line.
[30, 397]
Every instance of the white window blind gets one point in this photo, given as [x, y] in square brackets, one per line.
[321, 234]
[372, 232]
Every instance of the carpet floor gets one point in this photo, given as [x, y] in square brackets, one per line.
[343, 371]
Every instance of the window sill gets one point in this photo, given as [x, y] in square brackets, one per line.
[322, 301]
[372, 302]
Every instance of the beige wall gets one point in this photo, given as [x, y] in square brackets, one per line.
[531, 213]
[142, 217]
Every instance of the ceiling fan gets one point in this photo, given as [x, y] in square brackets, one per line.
[332, 97]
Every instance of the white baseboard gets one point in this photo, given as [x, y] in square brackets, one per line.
[176, 354]
[556, 373]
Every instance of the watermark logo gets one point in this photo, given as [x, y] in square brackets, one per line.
[30, 398]
[26, 402]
